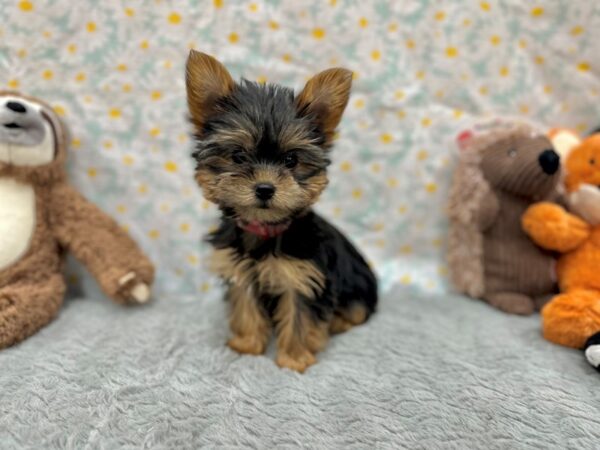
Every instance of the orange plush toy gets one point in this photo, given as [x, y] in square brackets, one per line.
[573, 317]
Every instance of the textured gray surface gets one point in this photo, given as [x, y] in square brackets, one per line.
[424, 373]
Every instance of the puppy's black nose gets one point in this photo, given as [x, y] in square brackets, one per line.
[549, 160]
[264, 191]
[16, 107]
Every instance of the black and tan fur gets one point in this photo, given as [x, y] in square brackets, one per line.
[309, 280]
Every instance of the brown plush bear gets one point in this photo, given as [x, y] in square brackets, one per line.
[503, 169]
[42, 217]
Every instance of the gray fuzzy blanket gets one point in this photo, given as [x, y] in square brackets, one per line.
[423, 373]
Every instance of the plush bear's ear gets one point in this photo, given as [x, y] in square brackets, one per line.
[325, 97]
[464, 138]
[564, 140]
[207, 80]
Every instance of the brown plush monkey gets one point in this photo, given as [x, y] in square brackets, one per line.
[42, 217]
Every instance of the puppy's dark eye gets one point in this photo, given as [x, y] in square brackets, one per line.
[290, 160]
[239, 157]
[592, 161]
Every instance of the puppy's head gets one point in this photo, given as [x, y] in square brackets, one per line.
[262, 152]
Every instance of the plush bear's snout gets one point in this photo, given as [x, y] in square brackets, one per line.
[549, 161]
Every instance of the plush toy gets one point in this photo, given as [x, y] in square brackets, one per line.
[573, 317]
[503, 168]
[42, 217]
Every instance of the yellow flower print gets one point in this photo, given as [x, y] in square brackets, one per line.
[495, 40]
[451, 52]
[576, 30]
[537, 11]
[583, 66]
[406, 249]
[114, 113]
[318, 33]
[26, 6]
[174, 18]
[170, 166]
[386, 138]
[346, 166]
[431, 188]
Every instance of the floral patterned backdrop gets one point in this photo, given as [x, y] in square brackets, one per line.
[423, 70]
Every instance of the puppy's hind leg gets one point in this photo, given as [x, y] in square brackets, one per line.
[348, 316]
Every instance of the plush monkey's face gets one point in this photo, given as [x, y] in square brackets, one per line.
[27, 137]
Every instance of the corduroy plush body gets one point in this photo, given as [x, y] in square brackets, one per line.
[31, 281]
[573, 317]
[262, 154]
[501, 172]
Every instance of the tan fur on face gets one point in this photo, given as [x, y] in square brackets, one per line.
[207, 80]
[326, 96]
[238, 191]
[294, 136]
[239, 135]
[316, 185]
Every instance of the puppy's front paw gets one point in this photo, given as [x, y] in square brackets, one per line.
[298, 363]
[250, 345]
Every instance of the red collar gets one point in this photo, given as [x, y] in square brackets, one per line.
[263, 230]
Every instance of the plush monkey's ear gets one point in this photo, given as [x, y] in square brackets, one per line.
[325, 97]
[206, 80]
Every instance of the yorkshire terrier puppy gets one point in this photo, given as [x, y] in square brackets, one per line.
[262, 155]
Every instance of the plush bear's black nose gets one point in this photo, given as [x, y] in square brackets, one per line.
[16, 107]
[549, 160]
[264, 191]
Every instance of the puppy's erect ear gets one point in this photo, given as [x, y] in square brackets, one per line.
[325, 97]
[206, 80]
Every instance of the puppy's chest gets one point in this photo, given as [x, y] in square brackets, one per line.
[17, 220]
[270, 275]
